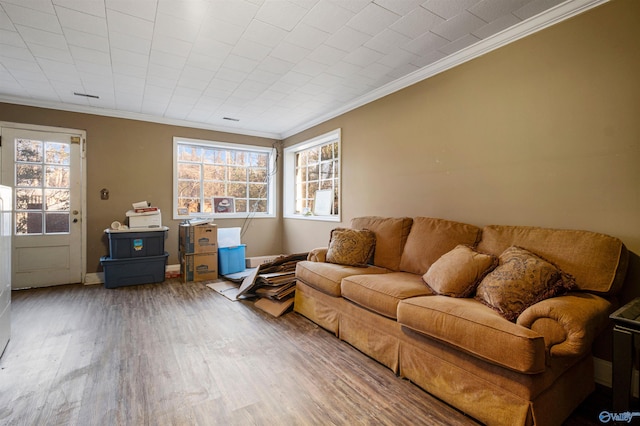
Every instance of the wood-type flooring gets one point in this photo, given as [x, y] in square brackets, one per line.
[182, 354]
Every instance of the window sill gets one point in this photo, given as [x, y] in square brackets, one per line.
[314, 218]
[226, 216]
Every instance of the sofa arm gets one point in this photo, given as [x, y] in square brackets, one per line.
[568, 323]
[318, 254]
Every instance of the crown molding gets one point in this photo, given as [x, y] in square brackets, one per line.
[83, 109]
[525, 28]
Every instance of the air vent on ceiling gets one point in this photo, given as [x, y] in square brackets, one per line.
[86, 95]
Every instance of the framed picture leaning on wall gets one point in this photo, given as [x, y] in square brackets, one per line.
[224, 205]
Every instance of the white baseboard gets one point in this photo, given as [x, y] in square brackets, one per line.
[603, 373]
[173, 268]
[98, 277]
[94, 278]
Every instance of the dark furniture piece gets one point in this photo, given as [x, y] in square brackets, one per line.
[626, 327]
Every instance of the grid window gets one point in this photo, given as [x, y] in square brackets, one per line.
[312, 178]
[213, 178]
[42, 187]
[317, 169]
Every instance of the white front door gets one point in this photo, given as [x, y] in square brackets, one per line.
[45, 170]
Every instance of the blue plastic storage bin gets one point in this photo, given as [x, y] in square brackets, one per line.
[231, 259]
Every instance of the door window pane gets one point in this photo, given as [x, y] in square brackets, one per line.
[28, 151]
[57, 223]
[57, 176]
[28, 175]
[57, 199]
[29, 199]
[28, 223]
[57, 153]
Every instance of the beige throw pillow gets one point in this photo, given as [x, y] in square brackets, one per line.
[458, 272]
[521, 279]
[352, 247]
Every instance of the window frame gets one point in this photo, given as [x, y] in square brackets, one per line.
[290, 181]
[271, 181]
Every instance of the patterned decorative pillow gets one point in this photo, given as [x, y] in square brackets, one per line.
[521, 279]
[458, 272]
[352, 247]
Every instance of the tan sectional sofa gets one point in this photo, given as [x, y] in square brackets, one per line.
[533, 370]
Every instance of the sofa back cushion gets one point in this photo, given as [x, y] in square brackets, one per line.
[391, 236]
[598, 262]
[430, 238]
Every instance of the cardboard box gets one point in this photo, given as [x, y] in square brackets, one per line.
[231, 259]
[254, 262]
[274, 307]
[152, 219]
[199, 267]
[194, 239]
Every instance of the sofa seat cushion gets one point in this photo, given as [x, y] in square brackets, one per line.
[476, 329]
[382, 293]
[326, 277]
[430, 238]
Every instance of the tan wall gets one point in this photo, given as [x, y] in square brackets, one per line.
[544, 132]
[133, 159]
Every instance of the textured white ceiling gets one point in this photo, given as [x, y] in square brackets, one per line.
[276, 66]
